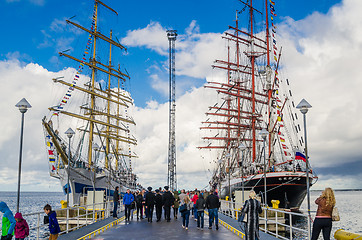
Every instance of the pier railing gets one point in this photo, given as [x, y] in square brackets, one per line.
[282, 224]
[70, 218]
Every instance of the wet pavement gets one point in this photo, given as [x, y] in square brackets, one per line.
[164, 230]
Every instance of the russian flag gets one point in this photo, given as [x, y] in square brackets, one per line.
[299, 156]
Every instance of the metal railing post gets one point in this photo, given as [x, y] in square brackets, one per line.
[86, 215]
[67, 219]
[276, 223]
[266, 217]
[78, 218]
[290, 227]
[38, 228]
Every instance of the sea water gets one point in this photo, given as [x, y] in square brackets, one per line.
[32, 202]
[349, 204]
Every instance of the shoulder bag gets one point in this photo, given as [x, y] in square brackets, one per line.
[335, 214]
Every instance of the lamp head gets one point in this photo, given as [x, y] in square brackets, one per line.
[70, 133]
[23, 105]
[303, 106]
[264, 133]
[242, 146]
[95, 147]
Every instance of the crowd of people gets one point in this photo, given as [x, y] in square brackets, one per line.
[181, 202]
[187, 203]
[18, 227]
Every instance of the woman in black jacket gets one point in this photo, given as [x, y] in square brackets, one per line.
[200, 206]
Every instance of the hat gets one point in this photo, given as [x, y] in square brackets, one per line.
[166, 187]
[149, 188]
[157, 191]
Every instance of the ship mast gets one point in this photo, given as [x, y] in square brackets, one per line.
[110, 96]
[239, 116]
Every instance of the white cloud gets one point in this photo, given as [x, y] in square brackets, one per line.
[322, 53]
[321, 56]
[153, 36]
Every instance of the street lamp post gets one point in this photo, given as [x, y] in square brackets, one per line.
[228, 156]
[303, 106]
[264, 133]
[23, 106]
[69, 134]
[95, 148]
[242, 147]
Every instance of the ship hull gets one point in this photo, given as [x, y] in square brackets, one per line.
[289, 188]
[82, 180]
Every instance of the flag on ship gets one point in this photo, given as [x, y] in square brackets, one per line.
[300, 156]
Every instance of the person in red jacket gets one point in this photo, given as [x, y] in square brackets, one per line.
[194, 200]
[21, 227]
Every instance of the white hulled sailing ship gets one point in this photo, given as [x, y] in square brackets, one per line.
[253, 95]
[97, 106]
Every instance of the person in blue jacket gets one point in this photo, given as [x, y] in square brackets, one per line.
[8, 222]
[53, 222]
[128, 198]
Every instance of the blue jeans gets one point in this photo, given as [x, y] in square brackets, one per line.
[185, 218]
[213, 213]
[115, 204]
[200, 218]
[195, 211]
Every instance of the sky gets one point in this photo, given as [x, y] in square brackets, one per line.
[322, 45]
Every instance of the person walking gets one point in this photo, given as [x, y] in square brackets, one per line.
[176, 204]
[115, 201]
[200, 208]
[183, 195]
[213, 204]
[168, 200]
[54, 228]
[323, 219]
[127, 202]
[21, 227]
[158, 203]
[139, 202]
[185, 206]
[8, 222]
[150, 203]
[194, 200]
[252, 208]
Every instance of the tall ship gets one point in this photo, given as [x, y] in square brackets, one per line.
[252, 128]
[88, 131]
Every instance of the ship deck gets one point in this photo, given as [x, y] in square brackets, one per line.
[228, 229]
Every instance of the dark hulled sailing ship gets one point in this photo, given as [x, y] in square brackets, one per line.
[253, 96]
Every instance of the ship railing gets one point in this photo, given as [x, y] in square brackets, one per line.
[276, 222]
[70, 218]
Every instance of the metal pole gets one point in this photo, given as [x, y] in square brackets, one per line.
[265, 199]
[242, 173]
[68, 172]
[229, 178]
[20, 158]
[68, 185]
[307, 172]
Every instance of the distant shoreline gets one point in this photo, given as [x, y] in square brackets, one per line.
[339, 190]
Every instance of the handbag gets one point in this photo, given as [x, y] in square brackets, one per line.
[335, 214]
[183, 208]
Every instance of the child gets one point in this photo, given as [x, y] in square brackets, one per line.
[53, 222]
[21, 227]
[8, 222]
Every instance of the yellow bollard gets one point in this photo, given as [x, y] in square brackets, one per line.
[275, 203]
[64, 204]
[340, 234]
